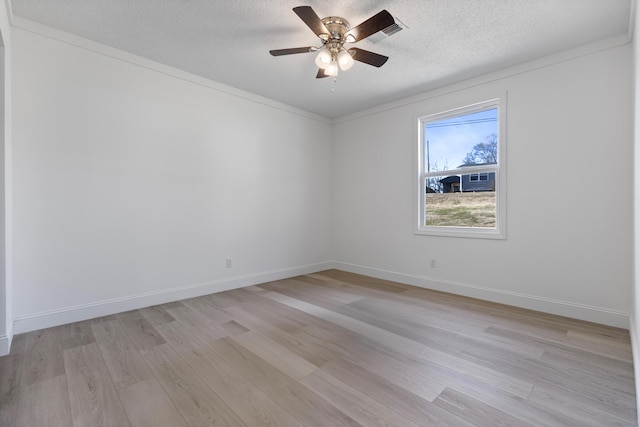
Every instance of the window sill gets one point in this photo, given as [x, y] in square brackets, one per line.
[467, 233]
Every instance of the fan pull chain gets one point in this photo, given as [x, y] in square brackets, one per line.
[333, 88]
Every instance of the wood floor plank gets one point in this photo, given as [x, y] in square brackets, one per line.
[222, 300]
[45, 404]
[404, 310]
[184, 338]
[455, 342]
[278, 315]
[478, 309]
[252, 405]
[93, 397]
[588, 389]
[195, 401]
[476, 412]
[193, 319]
[76, 334]
[610, 350]
[306, 406]
[275, 354]
[253, 289]
[205, 307]
[121, 357]
[514, 405]
[367, 282]
[409, 405]
[11, 384]
[147, 405]
[156, 315]
[410, 315]
[566, 349]
[580, 414]
[574, 366]
[535, 324]
[605, 346]
[43, 356]
[140, 331]
[387, 364]
[234, 328]
[591, 362]
[307, 347]
[338, 295]
[129, 315]
[363, 291]
[353, 402]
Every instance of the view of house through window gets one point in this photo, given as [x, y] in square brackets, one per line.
[460, 168]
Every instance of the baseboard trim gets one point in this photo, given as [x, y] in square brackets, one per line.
[588, 313]
[5, 344]
[47, 319]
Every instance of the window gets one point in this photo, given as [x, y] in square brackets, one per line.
[461, 172]
[479, 177]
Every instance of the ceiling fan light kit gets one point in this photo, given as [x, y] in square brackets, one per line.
[345, 60]
[324, 58]
[328, 59]
[334, 32]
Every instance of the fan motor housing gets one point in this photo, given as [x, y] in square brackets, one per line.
[337, 27]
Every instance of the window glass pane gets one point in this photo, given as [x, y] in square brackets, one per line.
[463, 140]
[447, 206]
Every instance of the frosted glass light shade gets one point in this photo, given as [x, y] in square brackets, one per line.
[345, 60]
[332, 69]
[323, 59]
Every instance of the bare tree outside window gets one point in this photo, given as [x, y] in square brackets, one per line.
[483, 153]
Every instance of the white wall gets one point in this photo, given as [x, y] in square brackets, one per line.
[569, 177]
[133, 185]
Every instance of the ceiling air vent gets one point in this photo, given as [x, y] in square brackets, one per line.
[388, 32]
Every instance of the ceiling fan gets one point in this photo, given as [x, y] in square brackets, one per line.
[335, 32]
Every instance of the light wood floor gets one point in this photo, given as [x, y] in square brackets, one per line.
[328, 349]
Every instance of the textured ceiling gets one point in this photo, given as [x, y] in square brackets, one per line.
[229, 41]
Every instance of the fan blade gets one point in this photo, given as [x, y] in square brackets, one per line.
[377, 22]
[312, 20]
[280, 52]
[321, 74]
[367, 57]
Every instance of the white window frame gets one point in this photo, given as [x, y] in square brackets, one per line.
[499, 232]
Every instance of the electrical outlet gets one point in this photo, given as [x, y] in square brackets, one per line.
[432, 263]
[229, 263]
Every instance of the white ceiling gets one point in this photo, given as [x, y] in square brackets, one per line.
[229, 41]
